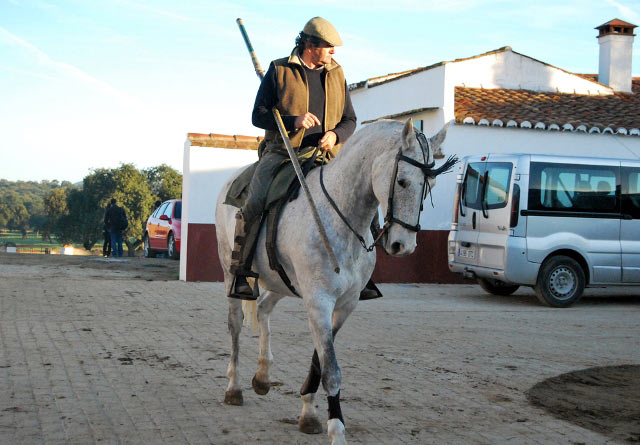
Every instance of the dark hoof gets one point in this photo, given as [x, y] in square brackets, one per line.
[261, 388]
[233, 398]
[310, 425]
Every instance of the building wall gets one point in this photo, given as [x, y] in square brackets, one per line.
[206, 170]
[421, 90]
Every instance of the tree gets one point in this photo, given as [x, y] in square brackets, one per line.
[13, 213]
[164, 182]
[134, 195]
[55, 207]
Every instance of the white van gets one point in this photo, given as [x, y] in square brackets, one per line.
[555, 223]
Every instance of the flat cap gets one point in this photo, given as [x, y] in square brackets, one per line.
[322, 29]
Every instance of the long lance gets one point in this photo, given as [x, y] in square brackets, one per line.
[292, 156]
[307, 193]
[252, 53]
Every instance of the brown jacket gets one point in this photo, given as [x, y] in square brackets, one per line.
[293, 94]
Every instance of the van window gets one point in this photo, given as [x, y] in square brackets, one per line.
[496, 192]
[631, 192]
[498, 180]
[177, 214]
[472, 188]
[573, 187]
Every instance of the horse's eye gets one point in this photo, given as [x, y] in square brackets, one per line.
[404, 183]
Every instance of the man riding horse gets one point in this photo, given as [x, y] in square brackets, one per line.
[309, 90]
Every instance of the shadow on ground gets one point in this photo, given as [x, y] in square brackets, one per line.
[605, 400]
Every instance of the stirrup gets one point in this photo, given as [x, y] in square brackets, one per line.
[240, 288]
[370, 291]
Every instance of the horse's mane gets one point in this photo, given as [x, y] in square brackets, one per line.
[383, 135]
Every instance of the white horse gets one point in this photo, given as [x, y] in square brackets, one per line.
[385, 163]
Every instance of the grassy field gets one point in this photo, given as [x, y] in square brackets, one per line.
[35, 244]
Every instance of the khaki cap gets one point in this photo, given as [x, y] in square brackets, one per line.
[322, 29]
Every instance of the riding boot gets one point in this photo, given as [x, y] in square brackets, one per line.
[370, 291]
[240, 288]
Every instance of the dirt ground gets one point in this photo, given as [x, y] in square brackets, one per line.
[124, 268]
[96, 350]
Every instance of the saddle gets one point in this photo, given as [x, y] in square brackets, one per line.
[283, 189]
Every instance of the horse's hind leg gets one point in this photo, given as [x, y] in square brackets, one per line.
[260, 382]
[233, 395]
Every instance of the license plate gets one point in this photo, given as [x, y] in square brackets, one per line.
[466, 253]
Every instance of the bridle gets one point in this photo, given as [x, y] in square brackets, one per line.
[428, 171]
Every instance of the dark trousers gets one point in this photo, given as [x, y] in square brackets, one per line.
[257, 192]
[116, 243]
[258, 188]
[106, 246]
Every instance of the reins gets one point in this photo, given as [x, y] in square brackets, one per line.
[389, 219]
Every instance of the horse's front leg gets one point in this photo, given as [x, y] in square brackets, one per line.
[325, 320]
[233, 395]
[267, 302]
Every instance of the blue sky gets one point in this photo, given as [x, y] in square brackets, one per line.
[95, 83]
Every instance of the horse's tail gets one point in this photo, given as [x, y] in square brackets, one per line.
[250, 311]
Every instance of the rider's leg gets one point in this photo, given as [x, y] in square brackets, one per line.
[248, 224]
[370, 290]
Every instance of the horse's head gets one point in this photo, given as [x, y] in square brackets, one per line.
[402, 179]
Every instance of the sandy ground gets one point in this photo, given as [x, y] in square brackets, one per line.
[119, 351]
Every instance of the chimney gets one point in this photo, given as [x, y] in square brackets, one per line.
[616, 40]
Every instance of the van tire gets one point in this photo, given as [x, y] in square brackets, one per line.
[497, 287]
[560, 282]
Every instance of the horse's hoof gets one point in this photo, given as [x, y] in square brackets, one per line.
[261, 388]
[233, 397]
[310, 425]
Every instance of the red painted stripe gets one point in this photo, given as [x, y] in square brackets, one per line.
[428, 264]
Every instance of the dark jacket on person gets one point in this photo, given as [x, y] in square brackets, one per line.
[115, 218]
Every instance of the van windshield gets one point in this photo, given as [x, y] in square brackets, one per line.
[496, 176]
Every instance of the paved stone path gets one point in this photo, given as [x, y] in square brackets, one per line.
[88, 359]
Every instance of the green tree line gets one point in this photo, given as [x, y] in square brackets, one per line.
[74, 213]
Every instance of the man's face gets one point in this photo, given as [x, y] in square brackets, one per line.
[322, 55]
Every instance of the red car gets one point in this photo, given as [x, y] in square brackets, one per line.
[162, 233]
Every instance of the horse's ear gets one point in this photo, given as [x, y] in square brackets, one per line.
[438, 139]
[407, 133]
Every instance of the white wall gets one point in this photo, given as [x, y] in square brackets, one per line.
[464, 140]
[421, 90]
[614, 66]
[206, 169]
[510, 70]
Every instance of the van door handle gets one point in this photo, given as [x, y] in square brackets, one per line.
[626, 216]
[465, 244]
[473, 220]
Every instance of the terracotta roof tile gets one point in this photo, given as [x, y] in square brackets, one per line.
[618, 111]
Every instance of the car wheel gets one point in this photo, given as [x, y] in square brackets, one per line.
[497, 287]
[148, 251]
[172, 251]
[560, 282]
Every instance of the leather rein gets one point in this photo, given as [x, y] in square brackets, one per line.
[389, 219]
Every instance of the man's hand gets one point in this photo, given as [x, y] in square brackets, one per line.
[328, 141]
[306, 121]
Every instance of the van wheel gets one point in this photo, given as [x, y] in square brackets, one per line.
[148, 251]
[172, 251]
[497, 287]
[560, 282]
